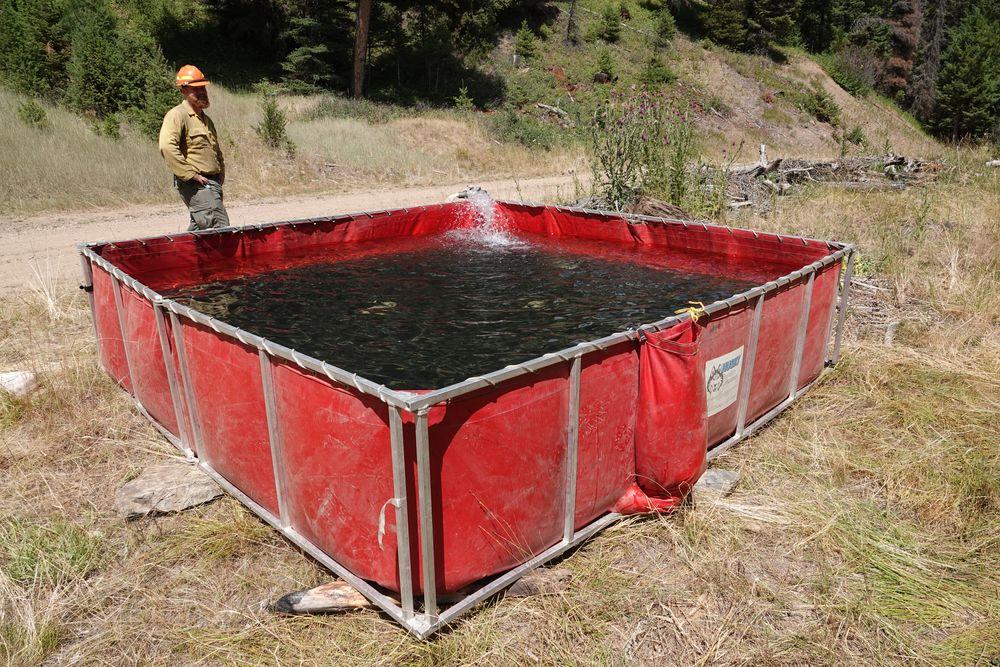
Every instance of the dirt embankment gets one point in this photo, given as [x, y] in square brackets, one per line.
[42, 248]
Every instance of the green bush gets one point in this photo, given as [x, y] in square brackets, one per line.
[509, 126]
[609, 26]
[86, 56]
[846, 76]
[273, 127]
[666, 27]
[115, 69]
[525, 44]
[855, 136]
[820, 105]
[463, 102]
[641, 144]
[655, 73]
[33, 115]
[606, 63]
[34, 47]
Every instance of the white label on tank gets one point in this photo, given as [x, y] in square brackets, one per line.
[722, 380]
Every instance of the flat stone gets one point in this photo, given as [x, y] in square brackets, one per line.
[332, 597]
[715, 484]
[540, 581]
[18, 383]
[166, 487]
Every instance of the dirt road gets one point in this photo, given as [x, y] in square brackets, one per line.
[42, 248]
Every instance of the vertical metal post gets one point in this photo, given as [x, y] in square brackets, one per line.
[426, 517]
[800, 338]
[572, 440]
[274, 437]
[120, 310]
[175, 392]
[88, 287]
[746, 382]
[192, 403]
[402, 511]
[842, 314]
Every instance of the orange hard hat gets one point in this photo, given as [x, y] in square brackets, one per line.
[189, 75]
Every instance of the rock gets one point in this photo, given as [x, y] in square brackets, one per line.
[993, 163]
[167, 487]
[332, 597]
[715, 484]
[540, 581]
[18, 383]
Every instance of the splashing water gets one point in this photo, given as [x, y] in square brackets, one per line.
[488, 232]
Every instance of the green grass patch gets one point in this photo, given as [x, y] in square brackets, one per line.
[49, 553]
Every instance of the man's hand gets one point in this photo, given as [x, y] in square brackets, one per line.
[200, 180]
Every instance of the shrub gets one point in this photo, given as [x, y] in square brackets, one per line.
[272, 129]
[609, 26]
[666, 27]
[638, 143]
[606, 63]
[820, 105]
[463, 102]
[117, 70]
[656, 73]
[337, 106]
[855, 136]
[33, 115]
[509, 126]
[525, 45]
[847, 75]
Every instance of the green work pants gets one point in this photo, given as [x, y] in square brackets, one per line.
[204, 202]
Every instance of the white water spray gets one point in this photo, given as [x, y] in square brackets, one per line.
[487, 231]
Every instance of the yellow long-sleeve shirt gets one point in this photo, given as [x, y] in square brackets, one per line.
[189, 144]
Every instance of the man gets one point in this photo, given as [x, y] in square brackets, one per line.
[190, 146]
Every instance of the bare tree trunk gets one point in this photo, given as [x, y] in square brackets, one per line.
[361, 45]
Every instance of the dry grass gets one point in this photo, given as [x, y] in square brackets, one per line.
[864, 531]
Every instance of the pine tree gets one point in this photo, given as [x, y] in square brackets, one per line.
[610, 26]
[724, 22]
[778, 20]
[525, 45]
[666, 27]
[968, 83]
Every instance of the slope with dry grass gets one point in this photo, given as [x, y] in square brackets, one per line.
[864, 531]
[69, 167]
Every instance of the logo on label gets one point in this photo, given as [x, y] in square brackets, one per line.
[722, 380]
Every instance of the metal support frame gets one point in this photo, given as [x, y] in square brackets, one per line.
[845, 296]
[425, 510]
[746, 382]
[175, 392]
[274, 437]
[120, 310]
[88, 287]
[402, 511]
[572, 441]
[800, 338]
[190, 399]
[432, 618]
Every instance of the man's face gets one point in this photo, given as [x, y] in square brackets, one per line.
[196, 96]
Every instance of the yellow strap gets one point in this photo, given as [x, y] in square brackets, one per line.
[696, 309]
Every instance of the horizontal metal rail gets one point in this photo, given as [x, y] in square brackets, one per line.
[412, 402]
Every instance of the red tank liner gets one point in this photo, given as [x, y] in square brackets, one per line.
[435, 491]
